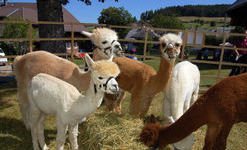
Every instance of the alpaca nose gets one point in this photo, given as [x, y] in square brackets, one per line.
[114, 88]
[118, 47]
[170, 45]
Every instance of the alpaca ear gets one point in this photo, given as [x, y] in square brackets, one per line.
[88, 34]
[89, 60]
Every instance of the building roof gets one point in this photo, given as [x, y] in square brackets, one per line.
[29, 11]
[237, 12]
[237, 4]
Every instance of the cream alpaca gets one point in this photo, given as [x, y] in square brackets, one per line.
[223, 105]
[50, 95]
[106, 43]
[33, 63]
[141, 80]
[181, 92]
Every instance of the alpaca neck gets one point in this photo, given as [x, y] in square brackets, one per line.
[163, 75]
[193, 119]
[89, 103]
[81, 79]
[97, 55]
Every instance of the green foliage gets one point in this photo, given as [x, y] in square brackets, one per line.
[16, 30]
[161, 21]
[188, 10]
[116, 16]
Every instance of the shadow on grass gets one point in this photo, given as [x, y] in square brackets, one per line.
[7, 90]
[203, 66]
[14, 136]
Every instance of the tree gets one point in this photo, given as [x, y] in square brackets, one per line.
[116, 16]
[51, 10]
[13, 30]
[161, 21]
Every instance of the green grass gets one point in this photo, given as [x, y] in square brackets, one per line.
[114, 131]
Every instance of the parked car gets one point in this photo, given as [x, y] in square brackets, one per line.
[3, 61]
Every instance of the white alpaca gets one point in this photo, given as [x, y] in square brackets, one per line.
[31, 64]
[106, 43]
[181, 92]
[50, 95]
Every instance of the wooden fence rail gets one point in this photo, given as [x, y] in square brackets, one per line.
[185, 33]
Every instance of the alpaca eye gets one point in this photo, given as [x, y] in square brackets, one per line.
[104, 42]
[177, 44]
[163, 44]
[100, 78]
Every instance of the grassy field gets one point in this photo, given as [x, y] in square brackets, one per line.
[103, 129]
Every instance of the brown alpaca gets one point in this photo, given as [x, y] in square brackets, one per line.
[31, 64]
[223, 105]
[141, 80]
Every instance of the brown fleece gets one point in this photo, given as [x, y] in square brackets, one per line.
[223, 105]
[141, 81]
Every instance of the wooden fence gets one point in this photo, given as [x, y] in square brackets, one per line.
[185, 33]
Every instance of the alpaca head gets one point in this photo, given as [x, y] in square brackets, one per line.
[103, 74]
[170, 45]
[106, 40]
[150, 133]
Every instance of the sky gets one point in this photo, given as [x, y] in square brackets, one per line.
[90, 14]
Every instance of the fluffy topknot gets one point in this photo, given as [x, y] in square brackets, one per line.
[100, 34]
[171, 38]
[106, 68]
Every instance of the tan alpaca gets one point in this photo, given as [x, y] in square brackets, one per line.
[223, 105]
[33, 63]
[141, 80]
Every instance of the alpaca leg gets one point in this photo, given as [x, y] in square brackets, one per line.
[145, 106]
[194, 96]
[167, 115]
[117, 103]
[23, 104]
[221, 138]
[73, 133]
[187, 103]
[41, 137]
[135, 104]
[213, 130]
[34, 117]
[61, 135]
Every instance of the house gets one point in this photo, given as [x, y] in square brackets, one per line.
[28, 11]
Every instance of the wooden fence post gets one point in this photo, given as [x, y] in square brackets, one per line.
[72, 42]
[184, 44]
[145, 45]
[30, 37]
[221, 58]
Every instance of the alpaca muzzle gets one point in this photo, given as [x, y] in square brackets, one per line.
[112, 84]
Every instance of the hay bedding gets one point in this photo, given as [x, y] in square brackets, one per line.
[106, 130]
[109, 131]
